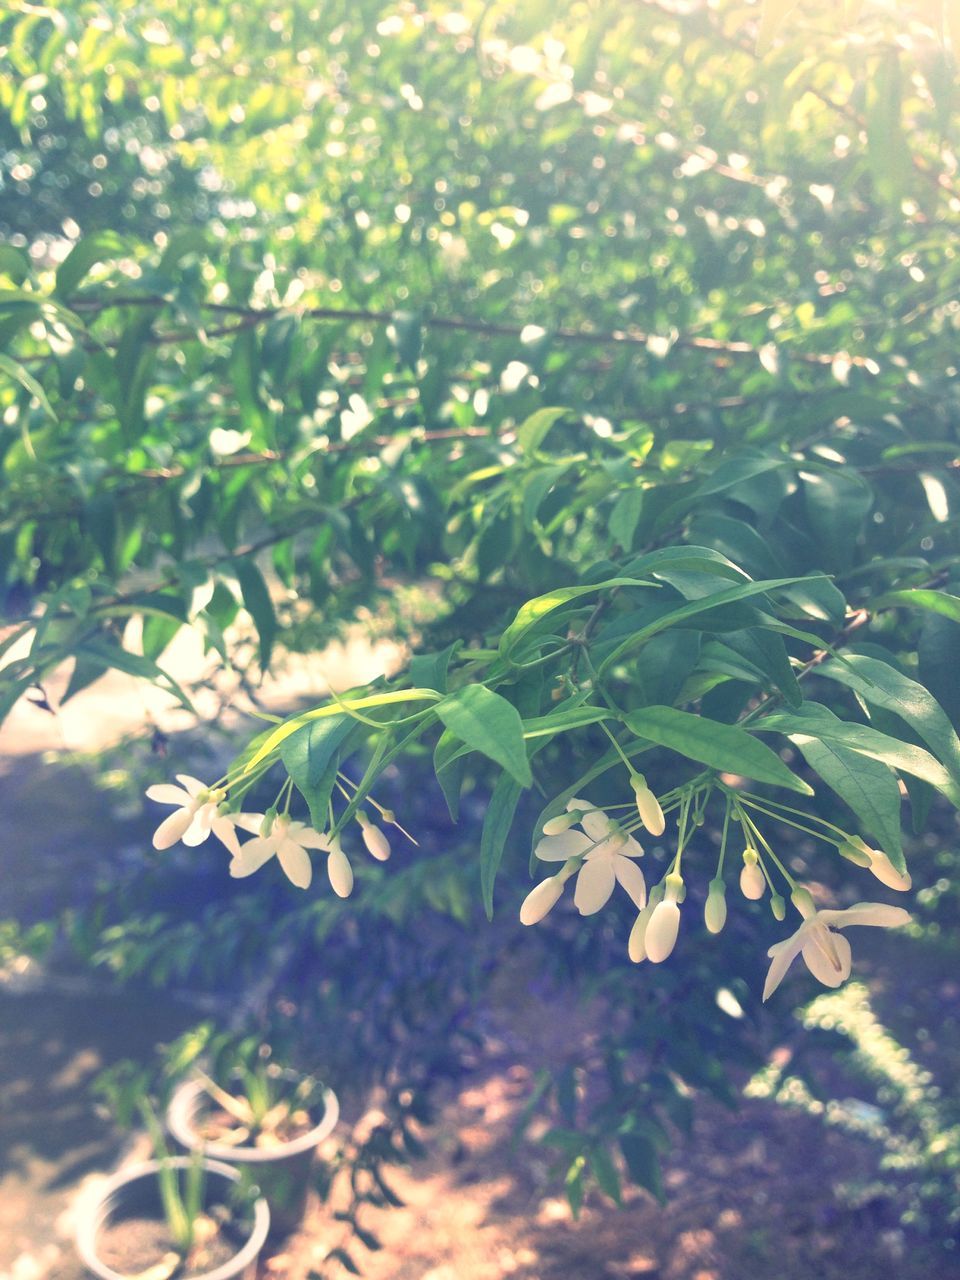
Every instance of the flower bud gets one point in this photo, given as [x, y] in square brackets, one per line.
[802, 899]
[648, 806]
[856, 851]
[541, 899]
[715, 909]
[661, 934]
[339, 871]
[636, 948]
[377, 844]
[753, 883]
[778, 907]
[562, 822]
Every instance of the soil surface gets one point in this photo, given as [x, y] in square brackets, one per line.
[132, 1245]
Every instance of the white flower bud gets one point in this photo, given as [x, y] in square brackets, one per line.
[377, 844]
[715, 910]
[562, 822]
[648, 807]
[340, 871]
[662, 929]
[541, 899]
[753, 883]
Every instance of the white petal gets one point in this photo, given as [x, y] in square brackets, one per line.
[252, 856]
[340, 872]
[200, 827]
[167, 793]
[631, 877]
[540, 900]
[876, 913]
[631, 848]
[296, 863]
[560, 848]
[596, 824]
[225, 831]
[661, 935]
[636, 945]
[831, 970]
[782, 955]
[251, 822]
[594, 886]
[172, 828]
[193, 786]
[887, 874]
[307, 837]
[753, 883]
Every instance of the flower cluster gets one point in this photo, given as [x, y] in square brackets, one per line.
[601, 852]
[200, 811]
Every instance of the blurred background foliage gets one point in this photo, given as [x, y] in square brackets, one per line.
[280, 285]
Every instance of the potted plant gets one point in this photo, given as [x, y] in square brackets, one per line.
[175, 1218]
[248, 1111]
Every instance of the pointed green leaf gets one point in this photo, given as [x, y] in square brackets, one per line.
[496, 828]
[488, 723]
[721, 746]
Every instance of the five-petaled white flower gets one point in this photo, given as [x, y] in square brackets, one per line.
[608, 855]
[289, 841]
[197, 815]
[826, 953]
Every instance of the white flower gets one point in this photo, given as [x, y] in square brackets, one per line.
[826, 953]
[196, 815]
[339, 870]
[289, 841]
[541, 899]
[608, 855]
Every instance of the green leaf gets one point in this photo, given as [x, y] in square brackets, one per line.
[488, 723]
[938, 651]
[532, 433]
[100, 246]
[625, 517]
[941, 602]
[26, 380]
[881, 685]
[692, 610]
[536, 610]
[766, 650]
[429, 670]
[605, 1172]
[837, 502]
[311, 757]
[643, 1163]
[257, 602]
[866, 785]
[496, 828]
[563, 720]
[815, 721]
[721, 746]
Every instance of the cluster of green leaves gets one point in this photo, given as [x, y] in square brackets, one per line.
[627, 333]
